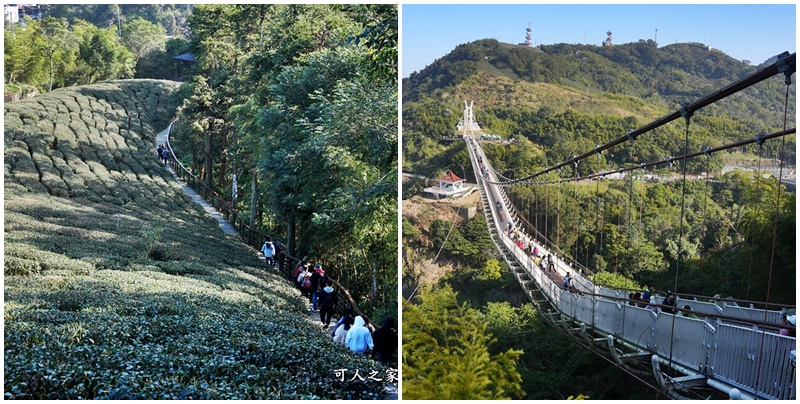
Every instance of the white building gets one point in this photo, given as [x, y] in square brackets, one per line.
[11, 13]
[449, 185]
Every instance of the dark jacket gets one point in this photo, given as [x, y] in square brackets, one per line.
[327, 297]
[385, 340]
[316, 277]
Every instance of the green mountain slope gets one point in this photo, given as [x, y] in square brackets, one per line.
[118, 286]
[568, 98]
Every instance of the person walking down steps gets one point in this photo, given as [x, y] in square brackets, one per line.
[269, 253]
[318, 279]
[164, 154]
[327, 302]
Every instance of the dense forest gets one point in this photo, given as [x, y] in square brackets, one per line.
[474, 334]
[299, 105]
[83, 44]
[550, 103]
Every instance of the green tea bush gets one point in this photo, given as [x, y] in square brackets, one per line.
[97, 307]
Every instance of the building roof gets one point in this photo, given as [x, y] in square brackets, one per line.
[186, 57]
[450, 177]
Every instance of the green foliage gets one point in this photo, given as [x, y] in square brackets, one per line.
[142, 37]
[79, 44]
[86, 316]
[614, 281]
[446, 352]
[492, 269]
[302, 99]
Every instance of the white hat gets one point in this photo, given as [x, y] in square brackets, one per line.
[792, 319]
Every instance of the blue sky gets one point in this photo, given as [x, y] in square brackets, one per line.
[745, 32]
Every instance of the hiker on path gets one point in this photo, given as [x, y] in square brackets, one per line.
[327, 302]
[348, 311]
[316, 277]
[340, 334]
[385, 339]
[269, 252]
[165, 155]
[359, 339]
[304, 281]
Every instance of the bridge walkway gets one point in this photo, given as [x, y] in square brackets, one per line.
[685, 357]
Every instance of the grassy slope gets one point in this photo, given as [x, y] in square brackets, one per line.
[491, 91]
[118, 286]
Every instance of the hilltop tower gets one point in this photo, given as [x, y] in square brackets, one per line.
[608, 42]
[528, 36]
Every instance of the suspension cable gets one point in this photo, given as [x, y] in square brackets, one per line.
[758, 208]
[688, 116]
[788, 80]
[668, 160]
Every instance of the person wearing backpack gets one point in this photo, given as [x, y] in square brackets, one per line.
[304, 281]
[301, 267]
[327, 302]
[316, 277]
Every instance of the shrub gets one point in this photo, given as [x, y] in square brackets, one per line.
[100, 305]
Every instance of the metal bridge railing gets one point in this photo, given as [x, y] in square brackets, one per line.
[752, 359]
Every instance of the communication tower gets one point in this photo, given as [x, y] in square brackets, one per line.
[607, 42]
[528, 36]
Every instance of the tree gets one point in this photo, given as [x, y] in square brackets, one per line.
[24, 60]
[142, 37]
[446, 353]
[102, 57]
[58, 38]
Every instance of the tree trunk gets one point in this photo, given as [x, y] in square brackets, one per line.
[208, 159]
[290, 247]
[374, 283]
[254, 198]
[51, 71]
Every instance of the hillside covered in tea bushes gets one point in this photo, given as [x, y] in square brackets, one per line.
[118, 286]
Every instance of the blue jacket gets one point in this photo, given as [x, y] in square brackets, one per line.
[359, 338]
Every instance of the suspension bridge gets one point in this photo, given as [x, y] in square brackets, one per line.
[725, 349]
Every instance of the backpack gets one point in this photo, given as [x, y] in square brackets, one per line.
[306, 284]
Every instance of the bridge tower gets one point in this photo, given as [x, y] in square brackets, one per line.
[468, 123]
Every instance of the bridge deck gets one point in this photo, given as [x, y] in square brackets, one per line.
[735, 359]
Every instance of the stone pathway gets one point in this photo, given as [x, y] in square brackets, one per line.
[226, 227]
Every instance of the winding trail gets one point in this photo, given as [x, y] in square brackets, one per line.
[227, 228]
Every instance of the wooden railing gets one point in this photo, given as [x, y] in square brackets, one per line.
[249, 235]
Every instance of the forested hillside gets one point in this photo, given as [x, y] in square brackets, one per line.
[730, 233]
[569, 98]
[117, 285]
[298, 105]
[83, 44]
